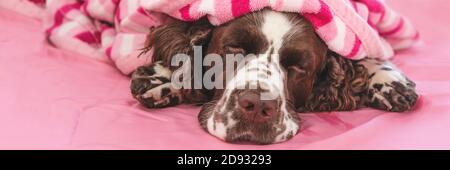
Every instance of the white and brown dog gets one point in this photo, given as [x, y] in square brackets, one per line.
[293, 66]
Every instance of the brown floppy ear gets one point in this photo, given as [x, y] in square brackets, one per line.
[341, 86]
[178, 37]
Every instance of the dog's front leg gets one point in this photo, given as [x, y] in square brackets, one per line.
[389, 89]
[152, 87]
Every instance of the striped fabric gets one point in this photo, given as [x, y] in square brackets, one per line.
[115, 30]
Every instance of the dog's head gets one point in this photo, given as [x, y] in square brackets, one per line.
[275, 59]
[282, 58]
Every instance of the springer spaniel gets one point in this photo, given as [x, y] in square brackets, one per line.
[294, 67]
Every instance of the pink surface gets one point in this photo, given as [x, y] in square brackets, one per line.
[55, 100]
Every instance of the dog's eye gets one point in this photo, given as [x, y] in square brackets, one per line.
[289, 61]
[296, 69]
[233, 49]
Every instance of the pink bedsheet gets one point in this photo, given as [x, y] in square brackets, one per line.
[50, 99]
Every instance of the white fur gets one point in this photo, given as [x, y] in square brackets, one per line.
[155, 93]
[162, 71]
[275, 27]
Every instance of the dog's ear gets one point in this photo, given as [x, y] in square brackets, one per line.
[339, 87]
[200, 32]
[177, 37]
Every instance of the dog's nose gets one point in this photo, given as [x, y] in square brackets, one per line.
[256, 109]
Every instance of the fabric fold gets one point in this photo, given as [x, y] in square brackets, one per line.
[115, 30]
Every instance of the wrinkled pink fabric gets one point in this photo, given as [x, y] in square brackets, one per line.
[50, 99]
[353, 28]
[114, 30]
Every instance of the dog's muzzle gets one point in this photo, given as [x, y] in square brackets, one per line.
[253, 107]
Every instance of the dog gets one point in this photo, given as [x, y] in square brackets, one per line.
[303, 76]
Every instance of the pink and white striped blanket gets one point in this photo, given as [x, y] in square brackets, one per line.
[115, 30]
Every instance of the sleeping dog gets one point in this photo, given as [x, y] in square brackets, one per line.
[294, 67]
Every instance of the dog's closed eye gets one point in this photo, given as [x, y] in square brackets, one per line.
[293, 64]
[296, 69]
[234, 49]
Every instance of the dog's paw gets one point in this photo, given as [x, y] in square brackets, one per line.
[151, 86]
[391, 90]
[160, 96]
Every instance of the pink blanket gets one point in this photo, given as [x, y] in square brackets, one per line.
[114, 30]
[51, 99]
